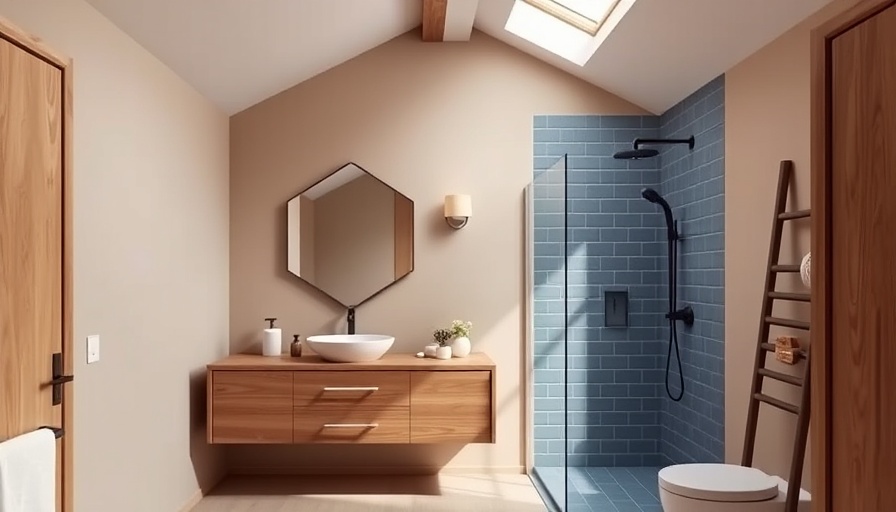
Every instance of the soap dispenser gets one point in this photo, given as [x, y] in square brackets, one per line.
[271, 344]
[295, 348]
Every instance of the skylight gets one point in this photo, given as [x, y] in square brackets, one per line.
[572, 29]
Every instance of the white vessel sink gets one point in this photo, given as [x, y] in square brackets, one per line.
[350, 348]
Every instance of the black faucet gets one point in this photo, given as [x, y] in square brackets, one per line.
[351, 319]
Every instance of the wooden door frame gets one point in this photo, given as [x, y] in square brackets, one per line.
[36, 47]
[822, 300]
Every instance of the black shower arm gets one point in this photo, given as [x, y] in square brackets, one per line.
[689, 141]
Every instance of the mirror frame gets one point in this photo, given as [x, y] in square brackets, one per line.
[413, 236]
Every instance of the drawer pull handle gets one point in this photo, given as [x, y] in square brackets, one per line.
[352, 388]
[351, 425]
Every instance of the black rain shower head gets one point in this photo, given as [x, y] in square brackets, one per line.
[639, 153]
[636, 154]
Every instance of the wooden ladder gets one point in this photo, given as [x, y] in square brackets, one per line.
[760, 372]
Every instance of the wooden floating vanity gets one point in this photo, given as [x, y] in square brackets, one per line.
[397, 399]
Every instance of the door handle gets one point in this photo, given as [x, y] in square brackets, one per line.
[59, 379]
[62, 380]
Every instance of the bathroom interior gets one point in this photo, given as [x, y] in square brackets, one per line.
[429, 255]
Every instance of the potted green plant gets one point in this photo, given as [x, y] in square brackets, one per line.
[460, 343]
[442, 337]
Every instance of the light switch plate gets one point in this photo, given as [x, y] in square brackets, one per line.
[93, 349]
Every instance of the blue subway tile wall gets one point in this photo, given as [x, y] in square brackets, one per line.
[613, 374]
[693, 183]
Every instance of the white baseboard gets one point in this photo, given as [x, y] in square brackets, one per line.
[198, 495]
[376, 470]
[192, 502]
[480, 470]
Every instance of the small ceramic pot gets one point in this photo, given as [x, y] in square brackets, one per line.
[443, 352]
[460, 346]
[430, 350]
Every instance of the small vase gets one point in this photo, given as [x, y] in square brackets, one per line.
[430, 350]
[460, 346]
[443, 352]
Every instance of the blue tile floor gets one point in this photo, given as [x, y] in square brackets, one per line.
[602, 489]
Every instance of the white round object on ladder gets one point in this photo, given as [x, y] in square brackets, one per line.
[806, 269]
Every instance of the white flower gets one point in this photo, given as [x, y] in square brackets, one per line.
[461, 328]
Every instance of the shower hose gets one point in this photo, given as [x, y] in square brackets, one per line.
[673, 324]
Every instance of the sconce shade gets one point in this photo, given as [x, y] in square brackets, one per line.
[458, 206]
[458, 210]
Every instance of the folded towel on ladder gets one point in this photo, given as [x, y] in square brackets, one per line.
[28, 473]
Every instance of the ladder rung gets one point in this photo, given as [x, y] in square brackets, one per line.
[787, 322]
[784, 406]
[770, 347]
[785, 268]
[783, 377]
[798, 214]
[800, 297]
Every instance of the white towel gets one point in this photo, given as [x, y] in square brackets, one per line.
[28, 473]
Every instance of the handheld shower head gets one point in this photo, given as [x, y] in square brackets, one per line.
[654, 197]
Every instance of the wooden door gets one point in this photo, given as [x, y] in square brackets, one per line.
[855, 174]
[35, 312]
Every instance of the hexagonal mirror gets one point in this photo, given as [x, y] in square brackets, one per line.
[351, 235]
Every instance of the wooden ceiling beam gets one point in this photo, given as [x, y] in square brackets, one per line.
[434, 14]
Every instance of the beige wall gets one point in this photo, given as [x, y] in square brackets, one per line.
[150, 269]
[354, 244]
[766, 121]
[430, 120]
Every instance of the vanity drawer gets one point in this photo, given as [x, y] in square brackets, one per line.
[452, 407]
[351, 425]
[345, 389]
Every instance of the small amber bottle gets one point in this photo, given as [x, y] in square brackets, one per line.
[295, 348]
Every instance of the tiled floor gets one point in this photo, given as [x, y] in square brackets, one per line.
[604, 489]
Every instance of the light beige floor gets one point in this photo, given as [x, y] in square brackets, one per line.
[436, 493]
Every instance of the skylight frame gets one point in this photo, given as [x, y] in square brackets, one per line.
[553, 34]
[571, 17]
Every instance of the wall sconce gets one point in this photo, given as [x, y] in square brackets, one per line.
[458, 210]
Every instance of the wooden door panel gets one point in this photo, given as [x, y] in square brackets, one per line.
[31, 253]
[863, 281]
[30, 238]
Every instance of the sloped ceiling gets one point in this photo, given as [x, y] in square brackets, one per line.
[663, 50]
[240, 52]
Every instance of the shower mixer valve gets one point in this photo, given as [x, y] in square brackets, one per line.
[685, 314]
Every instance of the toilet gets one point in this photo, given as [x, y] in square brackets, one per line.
[723, 488]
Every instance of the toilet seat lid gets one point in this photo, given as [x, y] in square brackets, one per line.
[718, 482]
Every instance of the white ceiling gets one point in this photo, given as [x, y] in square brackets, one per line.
[240, 52]
[663, 50]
